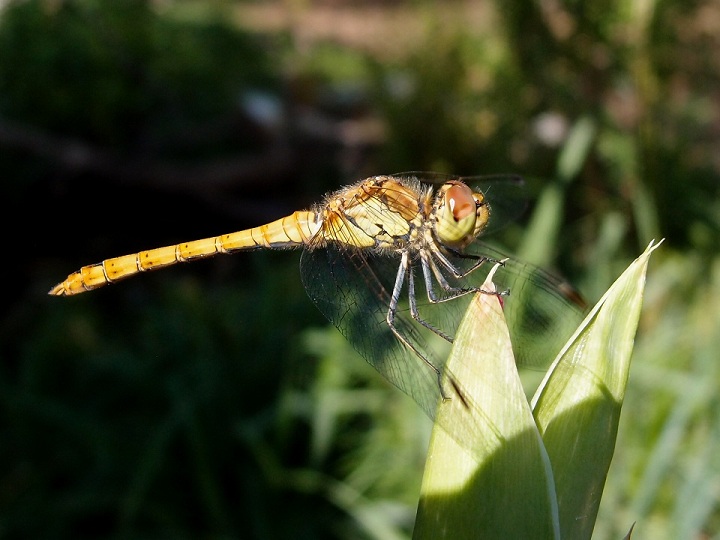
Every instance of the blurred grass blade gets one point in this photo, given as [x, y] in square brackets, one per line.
[577, 407]
[576, 149]
[538, 245]
[502, 487]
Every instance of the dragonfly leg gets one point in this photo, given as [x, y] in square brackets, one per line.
[456, 273]
[479, 261]
[430, 269]
[416, 314]
[403, 270]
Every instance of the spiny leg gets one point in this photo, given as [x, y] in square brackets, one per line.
[430, 269]
[414, 310]
[416, 316]
[453, 292]
[458, 274]
[390, 319]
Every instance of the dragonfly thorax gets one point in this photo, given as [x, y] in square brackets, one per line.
[460, 214]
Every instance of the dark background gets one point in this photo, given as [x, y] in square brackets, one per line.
[213, 400]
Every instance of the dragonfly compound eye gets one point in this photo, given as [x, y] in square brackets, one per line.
[457, 215]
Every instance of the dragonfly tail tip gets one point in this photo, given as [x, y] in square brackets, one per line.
[57, 290]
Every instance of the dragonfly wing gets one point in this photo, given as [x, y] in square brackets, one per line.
[508, 196]
[542, 311]
[352, 290]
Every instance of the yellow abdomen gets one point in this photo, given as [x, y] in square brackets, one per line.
[291, 231]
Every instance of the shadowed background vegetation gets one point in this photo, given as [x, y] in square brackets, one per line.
[214, 400]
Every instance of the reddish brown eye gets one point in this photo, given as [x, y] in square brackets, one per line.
[460, 199]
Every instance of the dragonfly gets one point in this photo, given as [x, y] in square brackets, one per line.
[393, 261]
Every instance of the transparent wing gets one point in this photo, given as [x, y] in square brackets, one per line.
[352, 290]
[542, 310]
[508, 197]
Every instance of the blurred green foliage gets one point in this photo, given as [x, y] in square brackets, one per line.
[206, 401]
[118, 73]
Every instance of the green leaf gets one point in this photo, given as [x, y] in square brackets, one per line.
[501, 487]
[522, 476]
[577, 406]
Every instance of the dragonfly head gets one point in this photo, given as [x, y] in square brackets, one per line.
[460, 214]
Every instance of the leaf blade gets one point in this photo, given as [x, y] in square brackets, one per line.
[502, 487]
[577, 406]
